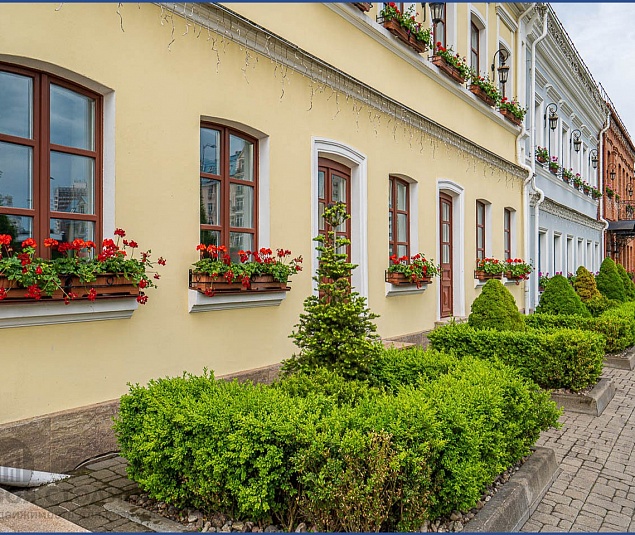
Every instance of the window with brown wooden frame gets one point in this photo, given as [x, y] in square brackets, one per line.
[50, 158]
[228, 188]
[399, 218]
[480, 230]
[474, 47]
[507, 229]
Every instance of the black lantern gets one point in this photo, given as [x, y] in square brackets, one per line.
[629, 189]
[503, 68]
[593, 158]
[437, 12]
[575, 138]
[611, 168]
[553, 116]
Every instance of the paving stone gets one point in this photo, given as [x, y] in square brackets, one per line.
[107, 463]
[92, 497]
[105, 475]
[603, 503]
[617, 519]
[94, 522]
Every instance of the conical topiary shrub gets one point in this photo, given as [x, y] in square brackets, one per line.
[609, 282]
[629, 287]
[496, 309]
[588, 291]
[559, 297]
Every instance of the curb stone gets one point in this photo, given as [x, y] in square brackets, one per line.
[511, 506]
[592, 403]
[627, 362]
[150, 520]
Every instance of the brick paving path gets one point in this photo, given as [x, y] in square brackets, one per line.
[595, 490]
[80, 499]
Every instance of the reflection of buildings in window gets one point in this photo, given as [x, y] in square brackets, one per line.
[237, 165]
[237, 206]
[71, 199]
[209, 202]
[6, 200]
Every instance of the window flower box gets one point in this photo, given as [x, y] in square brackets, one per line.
[517, 278]
[77, 272]
[446, 67]
[257, 271]
[401, 279]
[363, 6]
[405, 36]
[542, 155]
[510, 116]
[483, 276]
[482, 94]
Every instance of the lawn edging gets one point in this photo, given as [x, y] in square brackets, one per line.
[511, 506]
[592, 403]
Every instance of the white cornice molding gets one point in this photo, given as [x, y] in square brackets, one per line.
[233, 27]
[564, 212]
[504, 16]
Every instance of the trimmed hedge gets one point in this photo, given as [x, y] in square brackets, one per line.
[565, 358]
[559, 297]
[609, 282]
[617, 326]
[338, 454]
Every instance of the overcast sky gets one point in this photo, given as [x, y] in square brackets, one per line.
[604, 34]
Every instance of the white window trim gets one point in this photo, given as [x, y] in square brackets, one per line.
[51, 313]
[357, 162]
[197, 302]
[457, 193]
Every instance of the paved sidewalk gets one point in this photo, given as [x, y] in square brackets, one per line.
[595, 490]
[81, 498]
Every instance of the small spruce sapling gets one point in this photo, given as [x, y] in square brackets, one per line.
[336, 330]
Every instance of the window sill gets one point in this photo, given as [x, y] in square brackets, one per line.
[198, 302]
[27, 314]
[404, 289]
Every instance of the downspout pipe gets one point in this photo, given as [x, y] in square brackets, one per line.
[541, 194]
[601, 183]
[19, 477]
[530, 170]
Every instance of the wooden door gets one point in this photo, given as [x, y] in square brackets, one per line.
[445, 248]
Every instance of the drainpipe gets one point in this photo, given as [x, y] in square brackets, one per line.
[541, 194]
[601, 182]
[521, 163]
[19, 477]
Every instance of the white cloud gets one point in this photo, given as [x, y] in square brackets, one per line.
[604, 35]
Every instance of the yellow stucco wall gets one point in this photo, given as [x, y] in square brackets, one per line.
[161, 92]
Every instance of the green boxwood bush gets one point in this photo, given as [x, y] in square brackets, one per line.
[565, 358]
[496, 309]
[338, 454]
[629, 287]
[559, 297]
[609, 282]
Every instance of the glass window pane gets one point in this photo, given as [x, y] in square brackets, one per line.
[507, 219]
[72, 119]
[16, 176]
[210, 151]
[320, 216]
[402, 227]
[480, 239]
[210, 237]
[16, 111]
[445, 211]
[445, 233]
[320, 184]
[241, 206]
[390, 195]
[480, 214]
[72, 183]
[445, 254]
[390, 236]
[338, 189]
[402, 250]
[68, 230]
[210, 202]
[240, 241]
[241, 159]
[402, 196]
[390, 250]
[18, 227]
